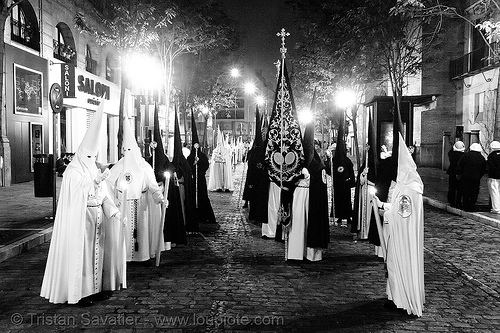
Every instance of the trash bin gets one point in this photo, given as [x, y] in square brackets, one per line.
[43, 175]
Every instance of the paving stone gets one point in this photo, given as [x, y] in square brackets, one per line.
[229, 272]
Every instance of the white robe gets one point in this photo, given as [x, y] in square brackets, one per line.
[94, 246]
[365, 206]
[273, 205]
[297, 235]
[220, 174]
[139, 197]
[75, 259]
[404, 232]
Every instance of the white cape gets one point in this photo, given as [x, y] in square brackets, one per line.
[67, 277]
[220, 174]
[138, 195]
[405, 237]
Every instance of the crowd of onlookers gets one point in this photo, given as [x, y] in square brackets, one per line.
[465, 172]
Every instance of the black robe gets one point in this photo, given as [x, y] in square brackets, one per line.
[385, 172]
[259, 200]
[343, 181]
[173, 229]
[204, 212]
[185, 176]
[355, 215]
[248, 190]
[454, 190]
[318, 227]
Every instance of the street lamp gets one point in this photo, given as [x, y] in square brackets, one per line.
[235, 72]
[344, 100]
[250, 88]
[305, 117]
[144, 71]
[260, 100]
[146, 74]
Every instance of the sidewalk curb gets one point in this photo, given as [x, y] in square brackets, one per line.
[473, 216]
[24, 244]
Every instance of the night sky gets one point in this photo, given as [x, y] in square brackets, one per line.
[260, 21]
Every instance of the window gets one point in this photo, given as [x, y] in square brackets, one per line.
[111, 69]
[24, 26]
[90, 64]
[478, 106]
[64, 46]
[479, 49]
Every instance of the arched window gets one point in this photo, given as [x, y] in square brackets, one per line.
[24, 26]
[64, 44]
[90, 64]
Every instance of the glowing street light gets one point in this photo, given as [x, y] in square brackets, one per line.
[235, 72]
[345, 98]
[305, 116]
[144, 70]
[250, 88]
[260, 100]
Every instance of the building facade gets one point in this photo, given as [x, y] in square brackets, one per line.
[457, 88]
[42, 47]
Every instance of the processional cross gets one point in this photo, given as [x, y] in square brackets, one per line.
[283, 34]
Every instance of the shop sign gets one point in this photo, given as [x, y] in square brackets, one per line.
[88, 90]
[91, 87]
[68, 80]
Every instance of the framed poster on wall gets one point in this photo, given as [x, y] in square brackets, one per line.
[27, 91]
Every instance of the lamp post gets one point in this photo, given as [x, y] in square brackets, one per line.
[261, 101]
[235, 73]
[146, 74]
[345, 99]
[205, 112]
[250, 89]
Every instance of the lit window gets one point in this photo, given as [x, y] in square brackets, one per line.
[23, 29]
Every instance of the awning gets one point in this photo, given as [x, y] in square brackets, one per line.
[416, 100]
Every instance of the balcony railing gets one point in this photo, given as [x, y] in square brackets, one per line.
[63, 52]
[475, 61]
[23, 34]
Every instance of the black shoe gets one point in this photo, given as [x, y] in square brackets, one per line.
[219, 190]
[227, 190]
[85, 302]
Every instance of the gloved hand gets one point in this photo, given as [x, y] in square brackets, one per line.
[101, 176]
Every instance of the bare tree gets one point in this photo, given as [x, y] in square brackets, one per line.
[489, 29]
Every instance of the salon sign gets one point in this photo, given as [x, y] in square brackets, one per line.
[86, 90]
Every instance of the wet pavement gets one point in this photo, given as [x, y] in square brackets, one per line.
[227, 278]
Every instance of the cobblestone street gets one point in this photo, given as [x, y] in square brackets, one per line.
[230, 279]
